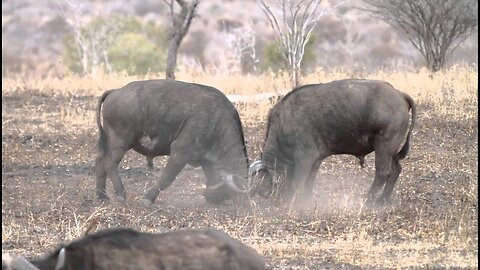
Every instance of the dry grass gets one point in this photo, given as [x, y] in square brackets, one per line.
[47, 180]
[447, 91]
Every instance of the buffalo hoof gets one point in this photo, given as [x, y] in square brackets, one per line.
[215, 200]
[102, 196]
[376, 205]
[146, 202]
[152, 194]
[214, 197]
[265, 192]
[102, 199]
[368, 205]
[382, 203]
[120, 199]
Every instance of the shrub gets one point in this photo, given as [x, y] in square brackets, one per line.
[143, 46]
[136, 54]
[274, 59]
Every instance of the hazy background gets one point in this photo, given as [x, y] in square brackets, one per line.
[33, 34]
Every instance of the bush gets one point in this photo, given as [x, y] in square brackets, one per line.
[274, 59]
[130, 45]
[136, 54]
[70, 56]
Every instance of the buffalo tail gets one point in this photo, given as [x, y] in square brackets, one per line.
[406, 147]
[102, 141]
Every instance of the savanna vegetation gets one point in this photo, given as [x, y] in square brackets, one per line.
[49, 140]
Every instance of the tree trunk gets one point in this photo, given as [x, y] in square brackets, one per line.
[180, 24]
[295, 69]
[435, 61]
[294, 79]
[172, 58]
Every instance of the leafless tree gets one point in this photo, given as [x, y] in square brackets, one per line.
[181, 21]
[293, 28]
[71, 13]
[241, 48]
[91, 42]
[245, 46]
[434, 27]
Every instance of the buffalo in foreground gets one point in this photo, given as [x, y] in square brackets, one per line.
[121, 248]
[350, 116]
[14, 262]
[192, 123]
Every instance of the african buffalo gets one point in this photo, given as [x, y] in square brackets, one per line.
[122, 248]
[15, 262]
[350, 116]
[192, 123]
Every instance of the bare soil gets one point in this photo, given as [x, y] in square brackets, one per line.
[48, 197]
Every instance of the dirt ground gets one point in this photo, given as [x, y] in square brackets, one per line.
[48, 152]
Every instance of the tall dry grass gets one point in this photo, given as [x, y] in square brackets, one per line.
[452, 92]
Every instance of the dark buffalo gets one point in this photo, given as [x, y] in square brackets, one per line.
[207, 249]
[350, 116]
[192, 123]
[15, 262]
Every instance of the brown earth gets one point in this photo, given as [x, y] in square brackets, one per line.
[48, 151]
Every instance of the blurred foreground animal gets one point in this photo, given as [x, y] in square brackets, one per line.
[349, 116]
[208, 249]
[192, 123]
[14, 262]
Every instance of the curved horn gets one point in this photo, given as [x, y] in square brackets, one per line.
[228, 180]
[254, 168]
[61, 259]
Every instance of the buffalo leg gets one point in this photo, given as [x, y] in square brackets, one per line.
[111, 162]
[303, 165]
[101, 177]
[311, 179]
[300, 176]
[283, 190]
[212, 178]
[219, 195]
[383, 163]
[150, 162]
[111, 152]
[278, 185]
[392, 179]
[174, 165]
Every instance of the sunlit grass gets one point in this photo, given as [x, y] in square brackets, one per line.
[452, 92]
